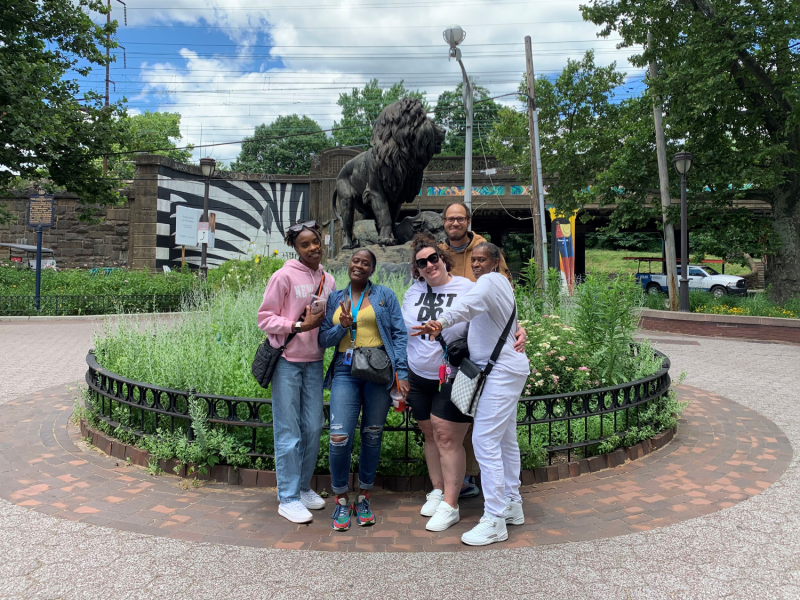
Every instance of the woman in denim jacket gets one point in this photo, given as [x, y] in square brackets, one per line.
[376, 312]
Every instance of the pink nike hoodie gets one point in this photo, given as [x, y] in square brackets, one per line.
[288, 292]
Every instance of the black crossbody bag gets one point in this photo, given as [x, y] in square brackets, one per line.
[267, 355]
[457, 350]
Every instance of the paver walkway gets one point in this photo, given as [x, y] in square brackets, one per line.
[723, 454]
[749, 550]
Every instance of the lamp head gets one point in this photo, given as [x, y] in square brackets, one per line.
[682, 162]
[454, 35]
[207, 166]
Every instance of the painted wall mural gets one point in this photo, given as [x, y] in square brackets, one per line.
[251, 216]
[563, 234]
[458, 190]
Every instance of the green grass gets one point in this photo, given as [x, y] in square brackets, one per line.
[611, 262]
[756, 305]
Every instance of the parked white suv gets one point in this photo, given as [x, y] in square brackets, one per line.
[701, 278]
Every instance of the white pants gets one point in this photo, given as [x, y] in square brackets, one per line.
[494, 436]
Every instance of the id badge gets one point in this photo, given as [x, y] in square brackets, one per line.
[348, 356]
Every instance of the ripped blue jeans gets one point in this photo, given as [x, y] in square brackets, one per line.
[349, 397]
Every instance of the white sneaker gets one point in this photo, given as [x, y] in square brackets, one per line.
[434, 499]
[311, 500]
[490, 529]
[295, 512]
[444, 517]
[513, 513]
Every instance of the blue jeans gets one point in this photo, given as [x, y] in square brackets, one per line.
[297, 421]
[349, 396]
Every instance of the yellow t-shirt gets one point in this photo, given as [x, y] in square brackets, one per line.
[367, 334]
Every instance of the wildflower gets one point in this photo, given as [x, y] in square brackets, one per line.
[553, 338]
[568, 369]
[544, 345]
[538, 354]
[540, 383]
[562, 358]
[570, 343]
[275, 252]
[555, 378]
[583, 369]
[547, 368]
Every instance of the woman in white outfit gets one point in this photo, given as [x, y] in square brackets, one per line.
[488, 307]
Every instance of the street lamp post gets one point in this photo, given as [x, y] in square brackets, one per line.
[207, 166]
[683, 164]
[454, 35]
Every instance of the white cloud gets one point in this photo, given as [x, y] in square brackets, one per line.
[327, 47]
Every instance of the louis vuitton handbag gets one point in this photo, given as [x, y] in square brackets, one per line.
[469, 382]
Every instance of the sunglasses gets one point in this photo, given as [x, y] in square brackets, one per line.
[423, 262]
[305, 225]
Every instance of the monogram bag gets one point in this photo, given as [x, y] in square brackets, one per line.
[372, 364]
[469, 382]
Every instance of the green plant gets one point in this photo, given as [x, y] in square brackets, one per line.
[153, 468]
[606, 315]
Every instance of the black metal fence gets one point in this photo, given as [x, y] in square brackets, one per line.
[89, 305]
[568, 423]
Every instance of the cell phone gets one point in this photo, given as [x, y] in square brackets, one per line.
[317, 304]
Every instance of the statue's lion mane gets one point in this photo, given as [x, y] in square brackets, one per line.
[378, 181]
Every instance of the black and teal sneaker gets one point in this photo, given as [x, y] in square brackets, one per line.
[364, 516]
[341, 514]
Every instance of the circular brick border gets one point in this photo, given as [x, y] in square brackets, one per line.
[394, 483]
[722, 454]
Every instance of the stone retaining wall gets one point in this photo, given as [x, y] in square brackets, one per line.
[393, 483]
[729, 326]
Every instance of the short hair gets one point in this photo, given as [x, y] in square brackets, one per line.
[291, 235]
[372, 257]
[424, 240]
[462, 205]
[492, 250]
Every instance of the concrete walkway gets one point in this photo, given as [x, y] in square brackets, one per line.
[751, 550]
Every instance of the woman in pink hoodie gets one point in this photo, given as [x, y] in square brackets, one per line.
[294, 302]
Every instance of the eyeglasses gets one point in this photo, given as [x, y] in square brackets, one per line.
[458, 220]
[423, 262]
[305, 225]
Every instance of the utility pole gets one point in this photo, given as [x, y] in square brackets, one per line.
[663, 181]
[539, 241]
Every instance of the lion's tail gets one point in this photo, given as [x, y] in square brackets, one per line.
[333, 206]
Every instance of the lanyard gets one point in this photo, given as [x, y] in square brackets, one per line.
[355, 310]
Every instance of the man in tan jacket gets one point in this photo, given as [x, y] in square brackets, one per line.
[460, 241]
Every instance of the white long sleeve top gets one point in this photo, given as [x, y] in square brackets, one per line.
[487, 307]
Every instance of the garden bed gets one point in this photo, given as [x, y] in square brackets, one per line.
[394, 483]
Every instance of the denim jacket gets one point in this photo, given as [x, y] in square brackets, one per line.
[391, 326]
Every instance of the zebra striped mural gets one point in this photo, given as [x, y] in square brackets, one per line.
[252, 216]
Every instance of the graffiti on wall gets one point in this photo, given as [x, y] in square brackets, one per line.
[251, 216]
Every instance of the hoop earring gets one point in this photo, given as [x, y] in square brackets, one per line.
[496, 269]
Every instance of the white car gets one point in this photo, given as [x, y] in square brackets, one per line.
[701, 278]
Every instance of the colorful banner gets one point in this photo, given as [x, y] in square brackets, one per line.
[563, 229]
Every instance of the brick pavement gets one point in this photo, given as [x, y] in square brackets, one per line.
[723, 454]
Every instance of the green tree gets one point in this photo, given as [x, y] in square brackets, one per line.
[47, 126]
[154, 133]
[450, 114]
[284, 146]
[361, 108]
[729, 80]
[577, 130]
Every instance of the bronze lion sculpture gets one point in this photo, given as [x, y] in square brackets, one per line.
[378, 181]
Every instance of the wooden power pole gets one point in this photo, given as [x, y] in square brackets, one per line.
[538, 242]
[663, 181]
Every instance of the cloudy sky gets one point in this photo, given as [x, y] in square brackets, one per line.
[229, 65]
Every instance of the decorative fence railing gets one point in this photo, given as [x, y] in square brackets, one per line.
[89, 305]
[569, 422]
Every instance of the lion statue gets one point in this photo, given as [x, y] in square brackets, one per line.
[378, 181]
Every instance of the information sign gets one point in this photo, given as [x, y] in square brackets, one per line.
[41, 210]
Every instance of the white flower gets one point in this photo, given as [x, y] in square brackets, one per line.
[553, 338]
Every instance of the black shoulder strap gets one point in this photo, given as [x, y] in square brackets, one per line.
[500, 343]
[290, 337]
[439, 337]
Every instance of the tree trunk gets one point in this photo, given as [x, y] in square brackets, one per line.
[783, 266]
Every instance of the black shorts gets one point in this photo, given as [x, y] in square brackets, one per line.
[425, 400]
